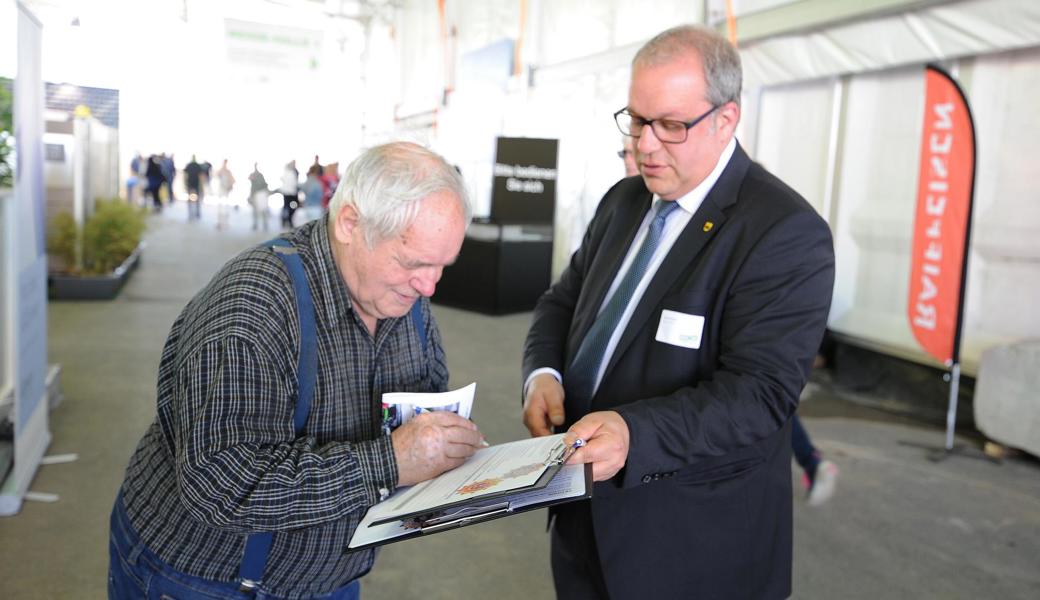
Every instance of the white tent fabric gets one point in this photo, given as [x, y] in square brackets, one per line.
[835, 111]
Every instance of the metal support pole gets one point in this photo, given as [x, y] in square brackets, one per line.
[951, 414]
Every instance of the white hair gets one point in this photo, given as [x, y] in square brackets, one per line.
[386, 184]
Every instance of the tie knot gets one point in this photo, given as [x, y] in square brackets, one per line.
[663, 209]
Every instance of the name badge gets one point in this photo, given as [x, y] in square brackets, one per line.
[680, 329]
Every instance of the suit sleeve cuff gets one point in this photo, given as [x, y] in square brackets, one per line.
[634, 471]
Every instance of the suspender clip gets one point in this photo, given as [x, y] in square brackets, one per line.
[248, 586]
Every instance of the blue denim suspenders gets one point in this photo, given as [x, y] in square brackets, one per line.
[258, 545]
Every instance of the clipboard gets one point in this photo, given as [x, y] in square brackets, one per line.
[410, 513]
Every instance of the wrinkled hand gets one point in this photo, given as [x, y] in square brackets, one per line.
[543, 405]
[432, 443]
[606, 443]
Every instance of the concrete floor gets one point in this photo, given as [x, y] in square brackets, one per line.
[900, 526]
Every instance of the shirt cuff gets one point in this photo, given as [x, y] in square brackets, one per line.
[379, 468]
[538, 372]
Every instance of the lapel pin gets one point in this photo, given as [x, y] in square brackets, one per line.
[707, 226]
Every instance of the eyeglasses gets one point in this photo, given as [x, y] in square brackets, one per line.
[669, 131]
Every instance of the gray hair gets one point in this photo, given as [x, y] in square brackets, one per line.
[720, 59]
[386, 184]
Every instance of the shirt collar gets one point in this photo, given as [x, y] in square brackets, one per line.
[333, 290]
[692, 200]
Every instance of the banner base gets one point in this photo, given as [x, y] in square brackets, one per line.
[938, 454]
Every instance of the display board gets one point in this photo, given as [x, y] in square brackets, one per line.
[27, 269]
[524, 189]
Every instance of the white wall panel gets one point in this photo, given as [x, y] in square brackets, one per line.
[571, 29]
[875, 205]
[382, 83]
[1004, 275]
[580, 111]
[466, 130]
[479, 23]
[794, 125]
[422, 51]
[636, 21]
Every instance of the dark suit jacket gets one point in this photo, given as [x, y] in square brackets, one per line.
[703, 506]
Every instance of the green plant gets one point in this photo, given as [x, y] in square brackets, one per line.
[111, 234]
[6, 133]
[63, 239]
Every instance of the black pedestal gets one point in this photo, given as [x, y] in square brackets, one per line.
[501, 269]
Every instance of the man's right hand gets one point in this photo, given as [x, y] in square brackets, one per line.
[543, 405]
[432, 443]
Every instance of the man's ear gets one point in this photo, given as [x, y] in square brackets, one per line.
[729, 116]
[346, 222]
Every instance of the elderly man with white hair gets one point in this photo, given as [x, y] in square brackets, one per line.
[267, 447]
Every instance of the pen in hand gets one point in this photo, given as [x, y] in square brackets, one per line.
[578, 443]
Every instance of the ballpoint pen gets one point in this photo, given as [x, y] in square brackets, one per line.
[578, 443]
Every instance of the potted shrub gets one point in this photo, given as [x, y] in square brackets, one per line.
[93, 263]
[6, 134]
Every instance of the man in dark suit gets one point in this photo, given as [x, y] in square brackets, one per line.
[676, 344]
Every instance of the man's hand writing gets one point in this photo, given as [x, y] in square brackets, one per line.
[606, 443]
[543, 405]
[432, 443]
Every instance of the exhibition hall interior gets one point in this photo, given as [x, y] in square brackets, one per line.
[835, 397]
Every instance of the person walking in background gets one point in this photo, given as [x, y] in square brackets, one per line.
[316, 167]
[329, 179]
[193, 174]
[676, 345]
[207, 177]
[224, 182]
[313, 194]
[819, 476]
[169, 170]
[290, 193]
[258, 198]
[135, 181]
[155, 177]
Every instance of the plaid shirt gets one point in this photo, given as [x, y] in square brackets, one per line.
[221, 459]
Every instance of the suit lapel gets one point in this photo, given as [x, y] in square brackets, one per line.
[606, 264]
[686, 248]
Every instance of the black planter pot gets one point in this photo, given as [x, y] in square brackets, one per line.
[93, 287]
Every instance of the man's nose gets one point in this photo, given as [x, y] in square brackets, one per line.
[425, 281]
[647, 141]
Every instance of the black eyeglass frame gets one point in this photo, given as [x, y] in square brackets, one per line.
[688, 125]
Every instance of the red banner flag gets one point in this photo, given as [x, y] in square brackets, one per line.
[943, 219]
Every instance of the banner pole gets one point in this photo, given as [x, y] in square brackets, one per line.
[951, 414]
[955, 372]
[955, 379]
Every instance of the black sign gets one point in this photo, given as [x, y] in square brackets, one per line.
[524, 190]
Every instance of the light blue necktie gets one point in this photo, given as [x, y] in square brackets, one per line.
[581, 377]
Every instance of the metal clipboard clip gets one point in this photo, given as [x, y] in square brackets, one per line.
[561, 452]
[464, 516]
